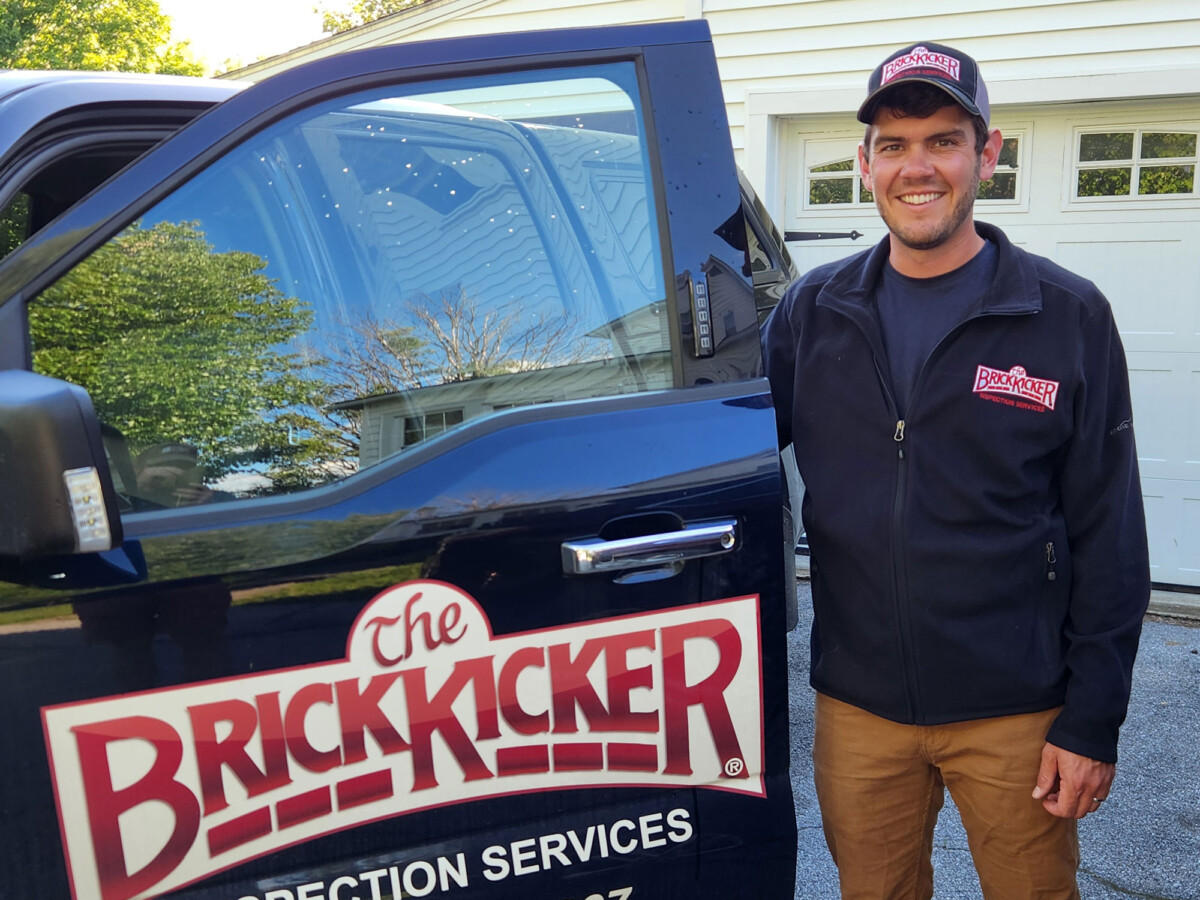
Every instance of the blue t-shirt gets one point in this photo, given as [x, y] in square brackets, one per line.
[916, 313]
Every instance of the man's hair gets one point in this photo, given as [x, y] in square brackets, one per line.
[918, 100]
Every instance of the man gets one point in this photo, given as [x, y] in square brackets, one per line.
[960, 415]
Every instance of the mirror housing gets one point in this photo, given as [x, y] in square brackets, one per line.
[56, 492]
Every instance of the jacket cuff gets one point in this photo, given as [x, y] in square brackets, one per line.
[1061, 735]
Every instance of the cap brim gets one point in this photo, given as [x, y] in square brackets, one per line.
[866, 112]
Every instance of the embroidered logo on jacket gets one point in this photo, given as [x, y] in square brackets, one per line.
[1016, 382]
[921, 58]
[160, 789]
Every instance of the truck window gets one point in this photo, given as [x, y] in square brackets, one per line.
[366, 276]
[62, 180]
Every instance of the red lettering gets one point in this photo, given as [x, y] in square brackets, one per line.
[434, 635]
[274, 744]
[106, 804]
[622, 680]
[297, 739]
[359, 712]
[427, 715]
[213, 754]
[410, 626]
[570, 686]
[679, 697]
[450, 617]
[378, 624]
[510, 704]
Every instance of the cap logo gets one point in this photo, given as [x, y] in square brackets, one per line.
[921, 58]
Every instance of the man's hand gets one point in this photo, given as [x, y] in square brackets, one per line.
[1071, 786]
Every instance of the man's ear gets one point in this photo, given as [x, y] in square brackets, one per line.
[990, 155]
[864, 168]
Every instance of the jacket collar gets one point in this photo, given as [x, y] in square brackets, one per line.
[1014, 291]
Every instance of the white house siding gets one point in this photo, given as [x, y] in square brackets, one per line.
[531, 15]
[794, 72]
[437, 19]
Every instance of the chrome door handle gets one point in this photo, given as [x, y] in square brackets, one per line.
[712, 538]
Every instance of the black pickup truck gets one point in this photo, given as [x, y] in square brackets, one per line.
[390, 503]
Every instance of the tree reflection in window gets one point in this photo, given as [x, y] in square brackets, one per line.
[1003, 183]
[1165, 163]
[14, 223]
[1105, 146]
[181, 345]
[836, 184]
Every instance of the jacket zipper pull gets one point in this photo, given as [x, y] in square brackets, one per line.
[1051, 559]
[898, 437]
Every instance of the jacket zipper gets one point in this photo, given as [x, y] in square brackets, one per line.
[1051, 559]
[900, 578]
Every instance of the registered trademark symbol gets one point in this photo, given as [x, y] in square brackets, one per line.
[734, 767]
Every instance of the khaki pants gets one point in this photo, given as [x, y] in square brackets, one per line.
[880, 786]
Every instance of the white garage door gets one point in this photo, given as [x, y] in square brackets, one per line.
[1110, 191]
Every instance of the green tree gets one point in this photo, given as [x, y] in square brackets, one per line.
[360, 12]
[14, 224]
[98, 35]
[176, 342]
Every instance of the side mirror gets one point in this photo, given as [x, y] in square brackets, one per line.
[56, 492]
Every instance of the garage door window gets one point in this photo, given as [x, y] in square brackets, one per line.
[1003, 183]
[837, 184]
[1135, 162]
[831, 174]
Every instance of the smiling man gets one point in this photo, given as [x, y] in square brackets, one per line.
[961, 418]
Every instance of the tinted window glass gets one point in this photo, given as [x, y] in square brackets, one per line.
[14, 223]
[367, 275]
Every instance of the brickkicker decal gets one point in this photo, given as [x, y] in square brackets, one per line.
[1016, 382]
[161, 789]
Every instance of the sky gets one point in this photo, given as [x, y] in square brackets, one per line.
[244, 30]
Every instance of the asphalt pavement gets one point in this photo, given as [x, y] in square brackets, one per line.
[1145, 841]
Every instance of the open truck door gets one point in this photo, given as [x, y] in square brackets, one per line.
[425, 534]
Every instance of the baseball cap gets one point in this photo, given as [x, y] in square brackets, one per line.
[944, 67]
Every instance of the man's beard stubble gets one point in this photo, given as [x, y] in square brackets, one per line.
[958, 215]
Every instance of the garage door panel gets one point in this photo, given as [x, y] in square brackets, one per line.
[1186, 413]
[1140, 279]
[1166, 394]
[807, 255]
[1173, 525]
[1165, 554]
[1155, 427]
[1189, 535]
